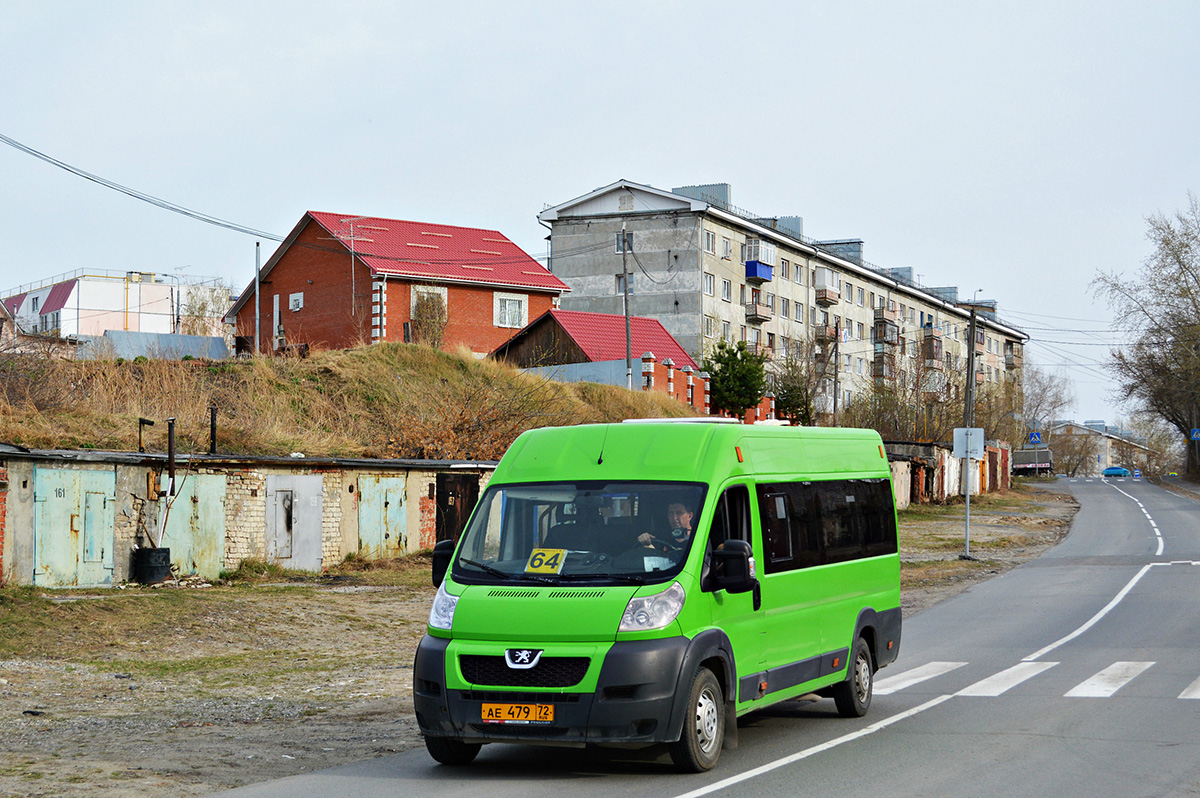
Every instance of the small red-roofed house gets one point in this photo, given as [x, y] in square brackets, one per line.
[574, 345]
[558, 337]
[337, 281]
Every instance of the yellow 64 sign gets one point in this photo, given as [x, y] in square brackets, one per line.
[546, 561]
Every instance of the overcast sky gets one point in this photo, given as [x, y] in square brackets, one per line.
[1010, 147]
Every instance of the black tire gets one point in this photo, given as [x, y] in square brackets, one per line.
[698, 748]
[449, 751]
[853, 696]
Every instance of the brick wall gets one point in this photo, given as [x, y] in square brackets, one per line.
[469, 314]
[334, 316]
[245, 516]
[661, 376]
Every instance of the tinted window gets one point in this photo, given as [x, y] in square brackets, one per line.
[821, 523]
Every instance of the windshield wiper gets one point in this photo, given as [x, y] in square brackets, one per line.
[637, 580]
[505, 574]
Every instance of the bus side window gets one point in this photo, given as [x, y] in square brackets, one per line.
[731, 521]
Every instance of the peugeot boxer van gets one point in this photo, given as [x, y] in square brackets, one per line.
[647, 583]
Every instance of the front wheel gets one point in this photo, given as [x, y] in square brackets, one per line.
[853, 696]
[698, 747]
[449, 751]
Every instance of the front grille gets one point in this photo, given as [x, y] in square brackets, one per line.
[549, 672]
[507, 696]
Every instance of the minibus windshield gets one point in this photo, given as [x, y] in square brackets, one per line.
[580, 533]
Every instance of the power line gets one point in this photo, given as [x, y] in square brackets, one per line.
[161, 203]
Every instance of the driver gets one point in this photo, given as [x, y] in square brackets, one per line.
[679, 518]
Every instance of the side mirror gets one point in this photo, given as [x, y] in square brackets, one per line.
[442, 552]
[733, 566]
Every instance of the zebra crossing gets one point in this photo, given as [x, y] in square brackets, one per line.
[1103, 684]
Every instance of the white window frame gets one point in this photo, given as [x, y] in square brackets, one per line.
[710, 242]
[296, 302]
[502, 310]
[710, 284]
[727, 290]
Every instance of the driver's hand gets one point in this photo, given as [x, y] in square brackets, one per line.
[646, 539]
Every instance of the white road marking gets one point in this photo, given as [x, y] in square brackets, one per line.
[1146, 513]
[1109, 680]
[1193, 690]
[915, 676]
[1005, 680]
[816, 749]
[1095, 618]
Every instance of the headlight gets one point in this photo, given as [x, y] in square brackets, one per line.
[441, 614]
[653, 612]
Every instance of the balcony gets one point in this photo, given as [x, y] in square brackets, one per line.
[758, 272]
[759, 349]
[828, 296]
[883, 367]
[931, 348]
[757, 312]
[824, 334]
[887, 332]
[933, 365]
[760, 261]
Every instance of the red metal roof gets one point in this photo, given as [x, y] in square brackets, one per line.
[57, 297]
[13, 303]
[439, 252]
[601, 336]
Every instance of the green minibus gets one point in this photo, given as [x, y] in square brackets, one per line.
[646, 583]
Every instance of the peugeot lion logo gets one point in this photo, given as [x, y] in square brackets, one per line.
[522, 658]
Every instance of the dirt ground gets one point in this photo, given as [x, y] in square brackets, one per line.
[218, 686]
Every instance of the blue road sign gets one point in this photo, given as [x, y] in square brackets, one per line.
[1196, 434]
[1036, 437]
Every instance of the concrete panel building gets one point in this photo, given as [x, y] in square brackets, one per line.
[708, 270]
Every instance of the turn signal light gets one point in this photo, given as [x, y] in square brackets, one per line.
[738, 449]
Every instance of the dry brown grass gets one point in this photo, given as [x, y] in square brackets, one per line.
[392, 400]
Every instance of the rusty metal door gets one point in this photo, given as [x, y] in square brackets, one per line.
[73, 518]
[382, 516]
[195, 530]
[456, 497]
[294, 505]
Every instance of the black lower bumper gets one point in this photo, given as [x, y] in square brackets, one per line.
[632, 703]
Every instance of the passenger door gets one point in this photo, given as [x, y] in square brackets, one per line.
[795, 595]
[738, 614]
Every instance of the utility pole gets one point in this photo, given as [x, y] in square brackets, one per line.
[626, 240]
[837, 368]
[257, 267]
[969, 410]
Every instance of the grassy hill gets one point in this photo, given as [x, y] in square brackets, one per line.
[386, 400]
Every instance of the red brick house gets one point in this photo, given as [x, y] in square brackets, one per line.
[337, 281]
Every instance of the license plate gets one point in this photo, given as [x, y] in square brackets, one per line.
[517, 713]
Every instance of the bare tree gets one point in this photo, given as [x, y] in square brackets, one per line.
[429, 319]
[1158, 308]
[1074, 452]
[1047, 396]
[796, 381]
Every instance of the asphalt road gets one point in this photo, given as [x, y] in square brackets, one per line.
[1076, 674]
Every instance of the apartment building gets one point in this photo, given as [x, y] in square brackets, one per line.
[90, 302]
[707, 270]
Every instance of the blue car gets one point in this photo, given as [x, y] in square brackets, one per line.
[1116, 471]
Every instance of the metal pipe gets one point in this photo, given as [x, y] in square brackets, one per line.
[212, 429]
[171, 454]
